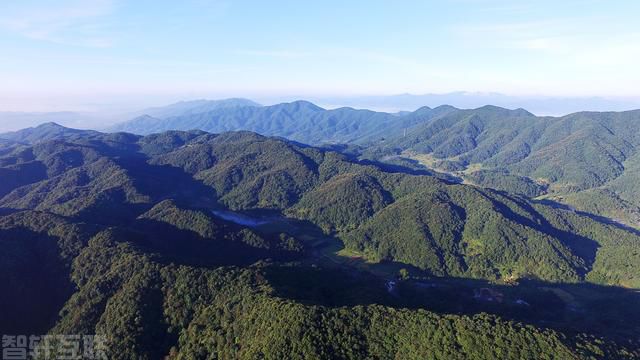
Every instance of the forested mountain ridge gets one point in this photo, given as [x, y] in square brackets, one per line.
[124, 225]
[245, 171]
[46, 131]
[581, 150]
[586, 160]
[196, 107]
[300, 121]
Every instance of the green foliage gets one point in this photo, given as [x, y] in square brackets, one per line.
[403, 274]
[343, 202]
[300, 121]
[570, 154]
[607, 203]
[501, 180]
[117, 231]
[148, 310]
[419, 220]
[38, 249]
[617, 257]
[456, 233]
[578, 151]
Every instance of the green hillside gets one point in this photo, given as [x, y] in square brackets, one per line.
[300, 121]
[563, 156]
[517, 152]
[444, 228]
[121, 231]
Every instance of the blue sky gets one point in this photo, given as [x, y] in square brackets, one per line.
[84, 53]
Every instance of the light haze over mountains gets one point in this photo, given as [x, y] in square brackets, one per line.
[418, 179]
[107, 116]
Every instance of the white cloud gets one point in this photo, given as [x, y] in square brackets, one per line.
[593, 41]
[71, 22]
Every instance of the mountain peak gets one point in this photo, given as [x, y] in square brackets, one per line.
[50, 125]
[43, 132]
[304, 104]
[504, 111]
[523, 112]
[198, 106]
[445, 107]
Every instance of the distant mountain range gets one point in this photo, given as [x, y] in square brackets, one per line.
[575, 159]
[185, 108]
[45, 132]
[15, 120]
[539, 105]
[588, 160]
[300, 121]
[396, 104]
[10, 120]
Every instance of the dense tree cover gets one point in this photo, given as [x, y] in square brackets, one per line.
[502, 180]
[300, 121]
[118, 230]
[149, 309]
[573, 153]
[295, 331]
[343, 202]
[581, 150]
[201, 233]
[616, 246]
[457, 233]
[604, 202]
[38, 249]
[444, 228]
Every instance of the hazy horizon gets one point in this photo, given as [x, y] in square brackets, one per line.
[377, 102]
[105, 54]
[100, 118]
[284, 179]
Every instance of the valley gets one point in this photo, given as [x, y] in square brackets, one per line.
[566, 307]
[194, 227]
[585, 160]
[317, 180]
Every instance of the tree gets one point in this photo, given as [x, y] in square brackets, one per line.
[403, 274]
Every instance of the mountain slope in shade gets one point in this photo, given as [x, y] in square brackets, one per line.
[587, 151]
[509, 150]
[123, 228]
[244, 171]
